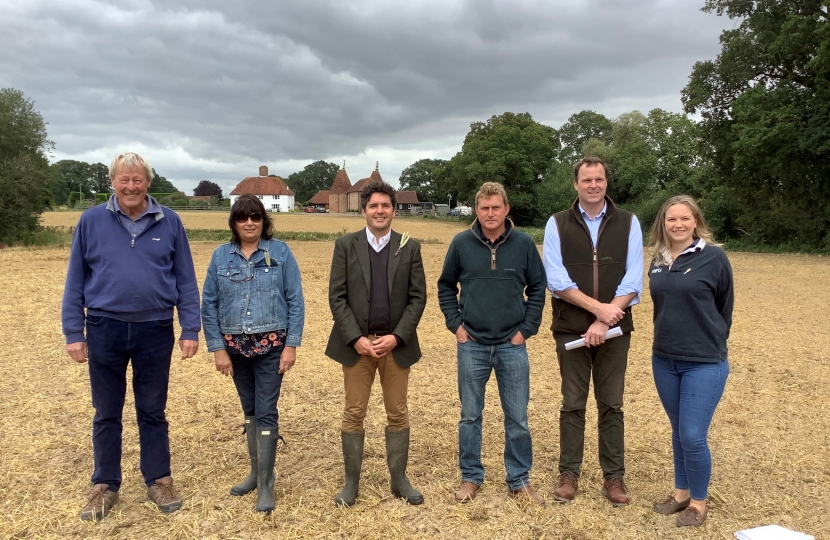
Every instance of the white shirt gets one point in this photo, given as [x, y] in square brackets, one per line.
[378, 244]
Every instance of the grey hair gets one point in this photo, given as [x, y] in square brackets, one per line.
[129, 160]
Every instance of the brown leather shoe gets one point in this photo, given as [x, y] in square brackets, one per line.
[466, 492]
[566, 490]
[670, 506]
[691, 517]
[101, 499]
[164, 495]
[614, 491]
[526, 492]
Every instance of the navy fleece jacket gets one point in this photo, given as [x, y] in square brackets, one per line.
[134, 281]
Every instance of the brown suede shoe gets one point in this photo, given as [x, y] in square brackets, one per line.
[164, 495]
[691, 517]
[614, 491]
[466, 492]
[670, 506]
[101, 499]
[526, 492]
[566, 490]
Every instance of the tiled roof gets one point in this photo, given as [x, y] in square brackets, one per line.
[262, 185]
[359, 185]
[321, 197]
[341, 183]
[376, 176]
[407, 197]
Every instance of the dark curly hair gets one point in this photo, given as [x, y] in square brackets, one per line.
[377, 187]
[244, 206]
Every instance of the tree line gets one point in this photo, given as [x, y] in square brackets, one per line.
[758, 158]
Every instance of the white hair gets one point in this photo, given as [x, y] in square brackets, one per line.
[129, 160]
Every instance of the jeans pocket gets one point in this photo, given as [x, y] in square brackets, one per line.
[94, 319]
[164, 322]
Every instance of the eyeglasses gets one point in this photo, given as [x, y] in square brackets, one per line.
[256, 217]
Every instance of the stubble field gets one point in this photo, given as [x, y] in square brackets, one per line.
[769, 438]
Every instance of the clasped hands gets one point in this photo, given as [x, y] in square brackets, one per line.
[607, 316]
[377, 348]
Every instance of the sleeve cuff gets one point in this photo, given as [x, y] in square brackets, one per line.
[189, 335]
[75, 337]
[293, 341]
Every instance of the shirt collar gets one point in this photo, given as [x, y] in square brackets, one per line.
[697, 245]
[152, 207]
[382, 241]
[599, 216]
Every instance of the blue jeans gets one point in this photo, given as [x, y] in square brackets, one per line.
[690, 392]
[112, 346]
[258, 382]
[475, 363]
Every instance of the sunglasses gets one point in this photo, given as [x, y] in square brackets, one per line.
[256, 217]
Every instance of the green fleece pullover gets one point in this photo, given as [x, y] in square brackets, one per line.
[502, 285]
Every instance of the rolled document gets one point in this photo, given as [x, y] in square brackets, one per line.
[577, 343]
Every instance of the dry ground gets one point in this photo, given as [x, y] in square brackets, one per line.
[769, 438]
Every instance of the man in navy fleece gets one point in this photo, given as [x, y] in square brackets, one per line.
[129, 266]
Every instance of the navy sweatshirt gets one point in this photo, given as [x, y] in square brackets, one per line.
[693, 302]
[494, 282]
[138, 280]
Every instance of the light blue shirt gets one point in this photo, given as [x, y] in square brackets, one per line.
[558, 278]
[136, 226]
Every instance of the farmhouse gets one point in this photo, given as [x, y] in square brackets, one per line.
[272, 190]
[407, 201]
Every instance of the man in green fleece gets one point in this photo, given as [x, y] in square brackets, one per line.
[502, 281]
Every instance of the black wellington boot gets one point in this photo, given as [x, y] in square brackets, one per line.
[353, 460]
[397, 456]
[249, 484]
[266, 441]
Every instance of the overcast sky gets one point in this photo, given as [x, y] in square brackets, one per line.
[211, 89]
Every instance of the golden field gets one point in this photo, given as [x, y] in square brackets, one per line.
[770, 439]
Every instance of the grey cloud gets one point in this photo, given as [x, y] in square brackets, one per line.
[216, 87]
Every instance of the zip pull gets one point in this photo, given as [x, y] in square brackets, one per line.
[595, 255]
[492, 259]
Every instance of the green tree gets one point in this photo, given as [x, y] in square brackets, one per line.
[314, 177]
[765, 105]
[578, 130]
[423, 178]
[25, 184]
[160, 184]
[512, 149]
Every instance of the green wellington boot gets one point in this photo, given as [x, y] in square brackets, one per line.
[266, 441]
[353, 460]
[249, 484]
[397, 456]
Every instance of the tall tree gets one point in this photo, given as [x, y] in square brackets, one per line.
[765, 104]
[161, 184]
[578, 130]
[512, 149]
[24, 179]
[314, 177]
[208, 188]
[423, 177]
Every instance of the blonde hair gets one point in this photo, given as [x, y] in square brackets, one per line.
[659, 243]
[490, 189]
[129, 160]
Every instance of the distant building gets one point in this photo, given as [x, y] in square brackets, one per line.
[354, 193]
[272, 190]
[407, 200]
[320, 200]
[338, 192]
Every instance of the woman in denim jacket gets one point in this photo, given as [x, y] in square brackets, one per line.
[253, 315]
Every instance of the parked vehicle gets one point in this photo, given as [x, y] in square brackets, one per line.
[308, 209]
[453, 213]
[321, 210]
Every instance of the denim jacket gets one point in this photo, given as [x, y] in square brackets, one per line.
[250, 296]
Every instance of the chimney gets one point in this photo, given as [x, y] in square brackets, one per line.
[263, 170]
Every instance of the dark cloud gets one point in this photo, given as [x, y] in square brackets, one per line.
[211, 89]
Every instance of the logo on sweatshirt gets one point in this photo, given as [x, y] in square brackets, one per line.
[156, 239]
[656, 271]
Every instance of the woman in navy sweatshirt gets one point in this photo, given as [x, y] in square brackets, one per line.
[691, 288]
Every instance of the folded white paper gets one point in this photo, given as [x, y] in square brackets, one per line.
[612, 333]
[771, 532]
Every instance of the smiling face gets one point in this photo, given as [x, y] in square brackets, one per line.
[250, 230]
[680, 225]
[491, 213]
[379, 213]
[130, 185]
[590, 185]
